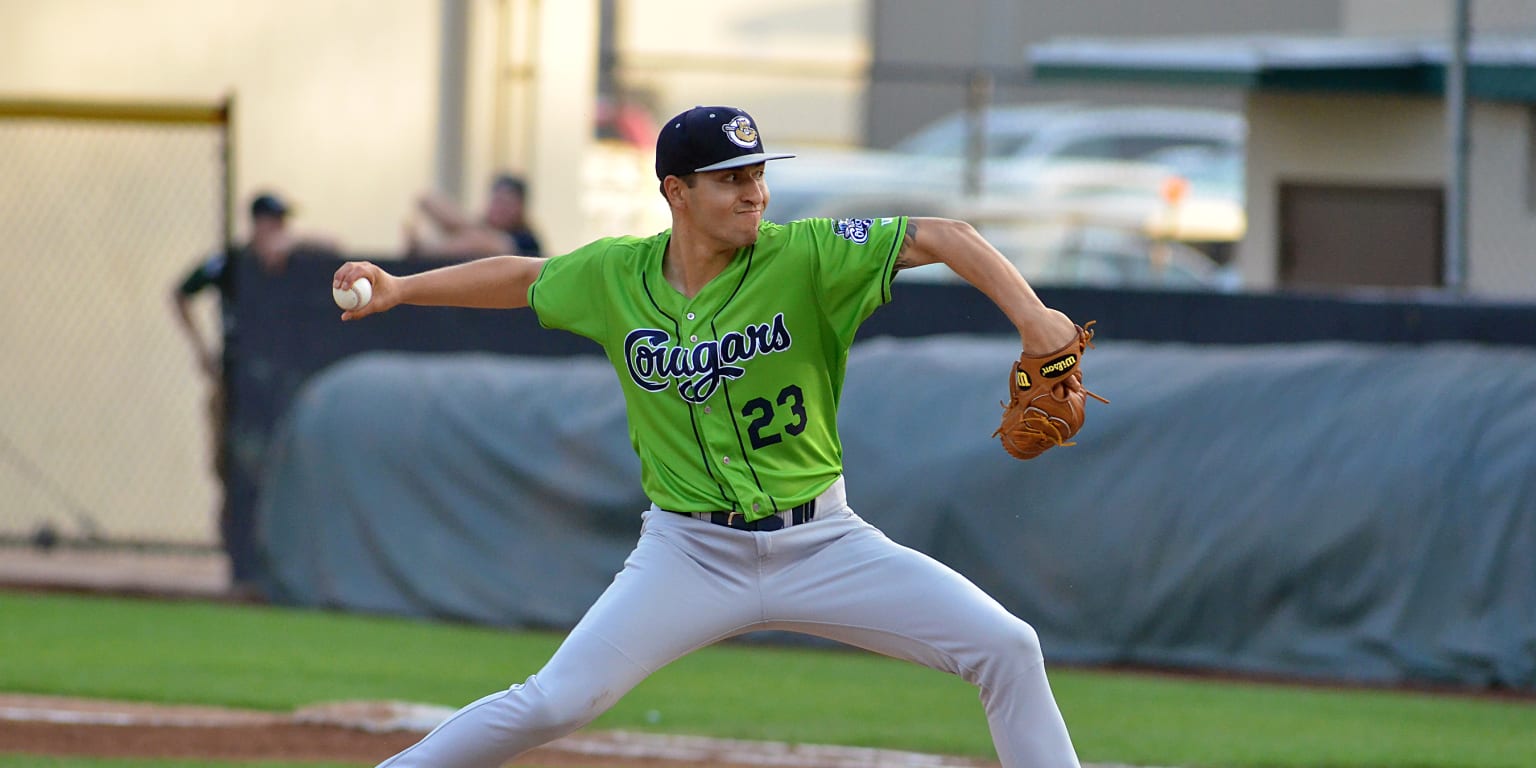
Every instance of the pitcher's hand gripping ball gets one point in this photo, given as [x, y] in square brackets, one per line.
[1046, 399]
[359, 294]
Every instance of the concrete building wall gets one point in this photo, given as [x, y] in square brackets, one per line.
[1501, 201]
[1330, 139]
[1395, 141]
[1382, 17]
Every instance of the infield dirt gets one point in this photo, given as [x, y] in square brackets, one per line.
[368, 732]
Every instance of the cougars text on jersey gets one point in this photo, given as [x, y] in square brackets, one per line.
[696, 371]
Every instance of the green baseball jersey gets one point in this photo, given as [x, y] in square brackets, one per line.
[731, 395]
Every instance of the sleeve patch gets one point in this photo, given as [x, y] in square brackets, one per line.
[855, 231]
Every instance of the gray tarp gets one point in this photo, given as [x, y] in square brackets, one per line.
[1340, 511]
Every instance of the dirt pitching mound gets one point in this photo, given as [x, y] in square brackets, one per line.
[369, 732]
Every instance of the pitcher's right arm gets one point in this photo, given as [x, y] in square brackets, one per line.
[497, 282]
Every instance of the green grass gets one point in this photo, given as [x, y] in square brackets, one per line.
[279, 659]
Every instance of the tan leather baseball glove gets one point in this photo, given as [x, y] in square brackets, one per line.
[1046, 399]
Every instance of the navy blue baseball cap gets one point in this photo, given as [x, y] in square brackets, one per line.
[709, 139]
[268, 204]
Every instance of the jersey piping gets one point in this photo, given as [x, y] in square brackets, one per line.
[693, 419]
[725, 386]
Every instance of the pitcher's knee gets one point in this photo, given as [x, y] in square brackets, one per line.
[1013, 647]
[561, 712]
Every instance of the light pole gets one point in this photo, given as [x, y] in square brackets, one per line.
[1455, 268]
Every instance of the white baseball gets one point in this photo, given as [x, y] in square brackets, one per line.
[359, 294]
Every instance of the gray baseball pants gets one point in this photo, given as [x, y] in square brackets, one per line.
[690, 583]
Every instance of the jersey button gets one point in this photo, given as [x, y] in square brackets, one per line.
[690, 315]
[693, 338]
[756, 506]
[708, 410]
[725, 460]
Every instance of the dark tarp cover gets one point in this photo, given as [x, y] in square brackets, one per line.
[1327, 510]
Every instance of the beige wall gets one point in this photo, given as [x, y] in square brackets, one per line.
[1393, 140]
[334, 107]
[1330, 139]
[336, 99]
[337, 107]
[340, 105]
[797, 65]
[1374, 17]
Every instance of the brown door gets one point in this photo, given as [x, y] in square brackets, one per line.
[1357, 235]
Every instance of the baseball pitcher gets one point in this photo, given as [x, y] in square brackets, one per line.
[730, 336]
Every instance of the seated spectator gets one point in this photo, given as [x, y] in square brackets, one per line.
[502, 229]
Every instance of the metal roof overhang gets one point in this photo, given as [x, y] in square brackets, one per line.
[1502, 69]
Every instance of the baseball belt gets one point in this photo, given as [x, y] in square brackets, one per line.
[784, 518]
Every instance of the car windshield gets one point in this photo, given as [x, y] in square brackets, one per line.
[947, 138]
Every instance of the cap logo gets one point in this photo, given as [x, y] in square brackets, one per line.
[740, 131]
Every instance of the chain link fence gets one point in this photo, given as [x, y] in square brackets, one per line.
[104, 436]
